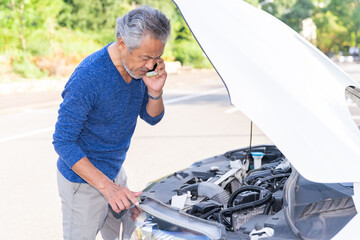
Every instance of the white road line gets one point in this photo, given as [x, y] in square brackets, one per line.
[179, 99]
[49, 129]
[26, 134]
[26, 108]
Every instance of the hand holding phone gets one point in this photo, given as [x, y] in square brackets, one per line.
[152, 72]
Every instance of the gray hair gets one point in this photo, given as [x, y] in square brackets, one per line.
[141, 22]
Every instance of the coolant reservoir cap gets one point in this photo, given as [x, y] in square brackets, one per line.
[257, 154]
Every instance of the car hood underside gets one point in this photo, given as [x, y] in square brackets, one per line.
[291, 90]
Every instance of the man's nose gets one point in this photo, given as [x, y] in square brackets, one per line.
[150, 64]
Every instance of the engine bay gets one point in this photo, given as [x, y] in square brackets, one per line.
[248, 198]
[235, 196]
[227, 188]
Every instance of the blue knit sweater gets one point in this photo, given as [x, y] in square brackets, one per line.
[98, 115]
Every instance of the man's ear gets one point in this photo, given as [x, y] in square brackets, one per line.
[121, 44]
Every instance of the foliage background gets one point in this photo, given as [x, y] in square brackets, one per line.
[42, 37]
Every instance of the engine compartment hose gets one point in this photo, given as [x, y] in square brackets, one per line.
[281, 175]
[245, 189]
[221, 216]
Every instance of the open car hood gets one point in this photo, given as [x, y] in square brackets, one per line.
[287, 87]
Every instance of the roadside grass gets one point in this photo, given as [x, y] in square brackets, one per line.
[48, 54]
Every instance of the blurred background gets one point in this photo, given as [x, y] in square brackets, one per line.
[41, 43]
[48, 38]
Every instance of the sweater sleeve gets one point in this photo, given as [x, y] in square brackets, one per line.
[145, 115]
[78, 99]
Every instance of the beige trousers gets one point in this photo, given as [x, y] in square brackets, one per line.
[86, 211]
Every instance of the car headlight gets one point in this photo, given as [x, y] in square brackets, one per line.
[149, 227]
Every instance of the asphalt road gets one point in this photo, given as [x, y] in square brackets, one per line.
[199, 123]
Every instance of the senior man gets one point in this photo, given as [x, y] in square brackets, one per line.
[97, 118]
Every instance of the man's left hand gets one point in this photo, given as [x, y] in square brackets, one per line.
[156, 83]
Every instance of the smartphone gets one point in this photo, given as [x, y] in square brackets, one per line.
[152, 72]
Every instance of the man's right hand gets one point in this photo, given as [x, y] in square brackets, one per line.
[119, 197]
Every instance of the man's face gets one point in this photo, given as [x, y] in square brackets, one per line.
[141, 59]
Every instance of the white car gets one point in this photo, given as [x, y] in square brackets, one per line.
[307, 185]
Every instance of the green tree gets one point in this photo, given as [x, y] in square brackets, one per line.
[23, 19]
[301, 10]
[348, 15]
[91, 15]
[291, 12]
[26, 29]
[279, 8]
[331, 36]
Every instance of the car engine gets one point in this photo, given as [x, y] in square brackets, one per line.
[228, 189]
[249, 197]
[235, 196]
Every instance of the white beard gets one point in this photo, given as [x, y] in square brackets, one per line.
[129, 72]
